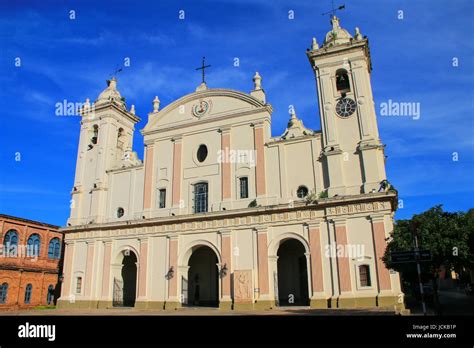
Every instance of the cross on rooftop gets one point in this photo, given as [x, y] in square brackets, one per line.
[203, 67]
[333, 10]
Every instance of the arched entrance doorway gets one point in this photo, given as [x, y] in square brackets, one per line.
[125, 286]
[203, 278]
[292, 274]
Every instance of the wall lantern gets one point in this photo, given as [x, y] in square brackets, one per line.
[170, 273]
[223, 271]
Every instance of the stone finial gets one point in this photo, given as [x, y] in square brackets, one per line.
[132, 109]
[156, 104]
[337, 36]
[295, 127]
[202, 87]
[335, 23]
[257, 81]
[357, 35]
[111, 94]
[87, 104]
[293, 113]
[314, 44]
[258, 91]
[113, 83]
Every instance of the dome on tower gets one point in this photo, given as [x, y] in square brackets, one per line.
[337, 35]
[111, 94]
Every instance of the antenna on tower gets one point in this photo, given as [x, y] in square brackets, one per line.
[334, 9]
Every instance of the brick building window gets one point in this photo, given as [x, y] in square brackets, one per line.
[10, 243]
[3, 293]
[364, 275]
[28, 290]
[54, 250]
[33, 245]
[50, 294]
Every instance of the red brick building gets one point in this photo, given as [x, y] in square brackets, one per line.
[30, 262]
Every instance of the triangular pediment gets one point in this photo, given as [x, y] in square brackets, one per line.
[210, 104]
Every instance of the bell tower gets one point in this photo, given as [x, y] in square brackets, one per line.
[352, 151]
[105, 143]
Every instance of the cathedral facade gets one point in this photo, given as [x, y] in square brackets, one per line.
[220, 213]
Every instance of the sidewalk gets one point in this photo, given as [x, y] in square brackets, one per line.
[204, 311]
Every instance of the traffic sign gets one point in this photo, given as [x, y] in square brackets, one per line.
[410, 256]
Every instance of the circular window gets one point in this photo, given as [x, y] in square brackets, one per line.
[120, 212]
[302, 192]
[202, 153]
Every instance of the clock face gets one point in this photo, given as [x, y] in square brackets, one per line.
[345, 107]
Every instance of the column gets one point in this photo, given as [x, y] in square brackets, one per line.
[226, 252]
[318, 297]
[173, 264]
[106, 271]
[226, 165]
[89, 269]
[148, 186]
[176, 195]
[378, 232]
[67, 272]
[260, 157]
[343, 266]
[262, 256]
[142, 277]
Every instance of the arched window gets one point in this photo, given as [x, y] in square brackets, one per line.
[50, 294]
[200, 197]
[95, 134]
[54, 250]
[33, 245]
[10, 243]
[342, 81]
[29, 289]
[3, 293]
[302, 192]
[364, 275]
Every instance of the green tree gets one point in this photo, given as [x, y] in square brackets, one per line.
[449, 237]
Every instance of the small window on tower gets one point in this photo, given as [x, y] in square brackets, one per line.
[120, 212]
[244, 187]
[302, 192]
[162, 198]
[120, 138]
[342, 81]
[95, 134]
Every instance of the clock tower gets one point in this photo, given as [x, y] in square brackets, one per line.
[352, 151]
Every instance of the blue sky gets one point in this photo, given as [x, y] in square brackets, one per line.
[70, 59]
